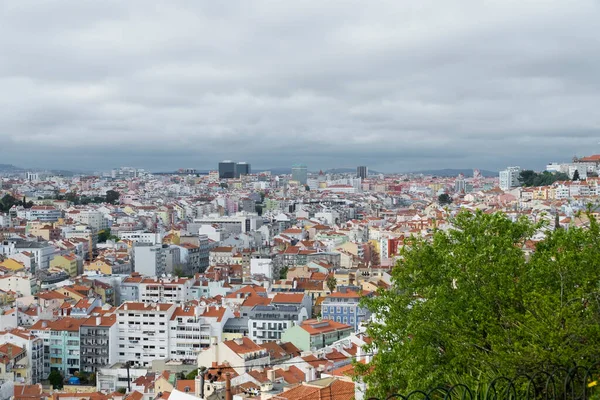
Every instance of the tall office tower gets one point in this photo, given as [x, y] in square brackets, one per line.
[299, 173]
[362, 172]
[242, 168]
[509, 178]
[226, 169]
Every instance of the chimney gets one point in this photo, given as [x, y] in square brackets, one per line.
[98, 321]
[44, 324]
[271, 375]
[125, 307]
[311, 374]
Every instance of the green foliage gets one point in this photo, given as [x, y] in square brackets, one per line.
[105, 235]
[56, 379]
[8, 201]
[468, 306]
[192, 375]
[576, 175]
[86, 378]
[444, 199]
[122, 390]
[331, 283]
[112, 196]
[531, 178]
[283, 273]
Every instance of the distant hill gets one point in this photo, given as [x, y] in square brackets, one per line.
[348, 171]
[9, 168]
[454, 172]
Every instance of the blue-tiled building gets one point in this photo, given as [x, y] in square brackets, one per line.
[343, 306]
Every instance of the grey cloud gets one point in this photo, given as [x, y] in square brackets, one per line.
[394, 85]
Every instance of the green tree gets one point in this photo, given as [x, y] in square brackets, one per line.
[283, 273]
[576, 175]
[444, 199]
[7, 202]
[56, 379]
[112, 196]
[331, 283]
[468, 306]
[526, 177]
[122, 390]
[192, 375]
[531, 178]
[103, 235]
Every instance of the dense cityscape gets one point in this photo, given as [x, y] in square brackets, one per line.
[130, 282]
[274, 200]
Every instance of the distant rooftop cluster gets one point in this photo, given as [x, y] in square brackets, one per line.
[151, 276]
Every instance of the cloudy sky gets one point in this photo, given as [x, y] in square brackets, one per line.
[396, 85]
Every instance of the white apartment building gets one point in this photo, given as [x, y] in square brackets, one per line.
[194, 327]
[267, 323]
[20, 283]
[141, 236]
[509, 178]
[39, 213]
[562, 192]
[165, 290]
[238, 223]
[143, 331]
[93, 218]
[150, 260]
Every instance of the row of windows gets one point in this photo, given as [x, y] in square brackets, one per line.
[338, 309]
[143, 315]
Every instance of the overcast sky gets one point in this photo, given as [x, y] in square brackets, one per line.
[396, 85]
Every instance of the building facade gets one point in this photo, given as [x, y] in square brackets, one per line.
[509, 178]
[227, 169]
[300, 173]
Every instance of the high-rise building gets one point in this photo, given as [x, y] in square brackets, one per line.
[362, 172]
[509, 178]
[226, 169]
[242, 168]
[299, 173]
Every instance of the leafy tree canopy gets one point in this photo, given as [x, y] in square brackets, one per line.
[192, 375]
[469, 306]
[444, 199]
[331, 283]
[8, 201]
[56, 379]
[531, 178]
[112, 196]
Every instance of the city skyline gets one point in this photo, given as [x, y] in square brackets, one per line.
[398, 87]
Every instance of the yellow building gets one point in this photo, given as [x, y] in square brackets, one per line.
[100, 266]
[67, 263]
[12, 265]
